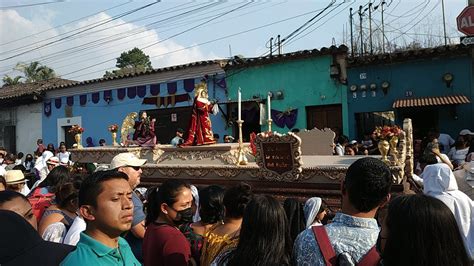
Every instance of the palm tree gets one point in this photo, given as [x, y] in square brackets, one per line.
[7, 80]
[35, 71]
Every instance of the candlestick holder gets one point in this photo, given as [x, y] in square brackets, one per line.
[241, 158]
[270, 125]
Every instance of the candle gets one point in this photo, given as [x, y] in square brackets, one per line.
[269, 106]
[239, 105]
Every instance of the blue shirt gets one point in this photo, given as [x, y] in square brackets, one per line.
[350, 234]
[92, 252]
[176, 141]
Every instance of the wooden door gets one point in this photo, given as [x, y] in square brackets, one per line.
[324, 116]
[168, 120]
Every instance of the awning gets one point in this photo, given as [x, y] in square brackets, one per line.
[431, 101]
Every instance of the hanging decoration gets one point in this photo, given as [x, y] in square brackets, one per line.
[107, 95]
[57, 103]
[166, 100]
[131, 92]
[154, 89]
[172, 87]
[47, 108]
[141, 91]
[287, 118]
[121, 93]
[95, 97]
[189, 85]
[222, 83]
[83, 99]
[70, 100]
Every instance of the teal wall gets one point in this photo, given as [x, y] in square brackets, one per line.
[304, 82]
[412, 79]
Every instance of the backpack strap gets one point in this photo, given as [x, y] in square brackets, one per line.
[325, 246]
[371, 258]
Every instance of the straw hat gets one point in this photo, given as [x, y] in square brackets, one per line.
[13, 177]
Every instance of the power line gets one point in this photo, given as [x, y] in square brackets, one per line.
[63, 38]
[28, 5]
[177, 34]
[121, 36]
[72, 21]
[214, 40]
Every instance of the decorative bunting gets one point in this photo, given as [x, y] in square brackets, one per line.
[154, 89]
[172, 87]
[57, 103]
[287, 118]
[141, 91]
[107, 95]
[95, 97]
[222, 83]
[70, 100]
[47, 108]
[83, 99]
[121, 93]
[189, 85]
[131, 92]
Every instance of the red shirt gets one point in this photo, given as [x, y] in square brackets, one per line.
[165, 245]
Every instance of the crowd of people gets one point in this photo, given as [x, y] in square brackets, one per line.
[101, 217]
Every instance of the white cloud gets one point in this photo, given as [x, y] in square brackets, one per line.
[14, 26]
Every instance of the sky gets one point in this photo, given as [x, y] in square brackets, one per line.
[80, 40]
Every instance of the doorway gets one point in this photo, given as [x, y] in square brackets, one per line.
[68, 137]
[324, 116]
[423, 119]
[168, 120]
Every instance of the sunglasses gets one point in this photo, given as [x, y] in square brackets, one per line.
[136, 168]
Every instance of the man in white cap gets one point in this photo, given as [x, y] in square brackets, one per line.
[130, 164]
[468, 134]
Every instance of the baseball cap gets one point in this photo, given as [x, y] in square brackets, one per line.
[465, 132]
[126, 159]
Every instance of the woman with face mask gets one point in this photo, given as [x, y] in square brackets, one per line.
[168, 207]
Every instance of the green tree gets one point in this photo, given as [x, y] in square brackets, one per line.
[130, 62]
[7, 80]
[35, 71]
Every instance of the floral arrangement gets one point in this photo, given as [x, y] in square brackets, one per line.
[113, 128]
[386, 132]
[76, 129]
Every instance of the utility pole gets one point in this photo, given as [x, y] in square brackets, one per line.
[271, 46]
[352, 33]
[383, 32]
[279, 44]
[360, 29]
[444, 25]
[370, 28]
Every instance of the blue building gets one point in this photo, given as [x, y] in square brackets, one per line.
[166, 94]
[433, 87]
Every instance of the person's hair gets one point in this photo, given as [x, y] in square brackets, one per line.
[236, 199]
[19, 167]
[428, 158]
[31, 156]
[367, 183]
[211, 204]
[295, 130]
[40, 141]
[52, 147]
[8, 195]
[428, 227]
[56, 177]
[67, 192]
[264, 237]
[3, 181]
[101, 141]
[10, 157]
[295, 214]
[20, 155]
[91, 186]
[324, 207]
[166, 193]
